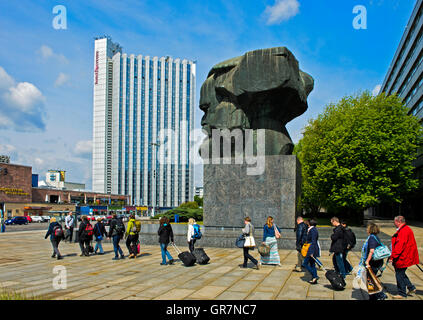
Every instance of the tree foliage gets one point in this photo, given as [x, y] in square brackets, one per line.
[357, 153]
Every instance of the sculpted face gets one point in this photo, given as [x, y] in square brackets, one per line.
[263, 89]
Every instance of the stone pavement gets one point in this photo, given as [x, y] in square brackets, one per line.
[26, 265]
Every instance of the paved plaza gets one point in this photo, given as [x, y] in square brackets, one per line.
[26, 265]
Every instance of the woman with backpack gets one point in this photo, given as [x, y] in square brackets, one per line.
[56, 234]
[165, 233]
[116, 232]
[85, 236]
[99, 232]
[271, 233]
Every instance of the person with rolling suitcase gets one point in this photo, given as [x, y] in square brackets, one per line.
[313, 251]
[165, 233]
[338, 247]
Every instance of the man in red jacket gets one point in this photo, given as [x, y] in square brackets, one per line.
[404, 254]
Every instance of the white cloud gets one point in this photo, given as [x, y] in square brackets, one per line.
[376, 89]
[22, 105]
[84, 148]
[61, 79]
[282, 10]
[47, 53]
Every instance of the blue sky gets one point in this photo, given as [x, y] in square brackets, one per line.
[46, 74]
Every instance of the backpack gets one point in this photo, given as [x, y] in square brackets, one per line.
[89, 230]
[58, 231]
[350, 239]
[120, 227]
[197, 231]
[136, 226]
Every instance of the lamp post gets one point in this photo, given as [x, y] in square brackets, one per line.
[154, 144]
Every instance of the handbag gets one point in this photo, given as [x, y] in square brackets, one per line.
[381, 252]
[277, 233]
[240, 241]
[373, 283]
[264, 249]
[249, 242]
[304, 249]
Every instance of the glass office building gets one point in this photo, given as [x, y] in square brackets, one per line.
[143, 116]
[405, 77]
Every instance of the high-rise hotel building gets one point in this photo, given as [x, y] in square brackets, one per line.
[137, 100]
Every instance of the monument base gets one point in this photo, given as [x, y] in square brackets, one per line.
[231, 194]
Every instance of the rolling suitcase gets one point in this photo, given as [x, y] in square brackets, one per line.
[186, 257]
[200, 256]
[335, 279]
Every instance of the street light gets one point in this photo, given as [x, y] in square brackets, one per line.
[154, 144]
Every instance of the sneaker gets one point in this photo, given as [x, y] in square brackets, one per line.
[313, 281]
[59, 257]
[412, 291]
[122, 257]
[163, 264]
[53, 256]
[257, 266]
[171, 261]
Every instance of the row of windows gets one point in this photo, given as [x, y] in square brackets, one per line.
[404, 47]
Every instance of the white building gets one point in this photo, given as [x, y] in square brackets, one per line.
[137, 98]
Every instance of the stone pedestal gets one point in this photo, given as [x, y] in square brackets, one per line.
[230, 194]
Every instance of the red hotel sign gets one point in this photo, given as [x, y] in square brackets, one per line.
[96, 68]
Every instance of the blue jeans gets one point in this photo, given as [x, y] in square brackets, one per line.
[338, 263]
[163, 247]
[98, 246]
[347, 265]
[116, 246]
[310, 265]
[403, 282]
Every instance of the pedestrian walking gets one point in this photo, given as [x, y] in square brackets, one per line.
[190, 234]
[132, 236]
[367, 253]
[248, 232]
[350, 242]
[271, 233]
[313, 251]
[69, 223]
[85, 236]
[338, 246]
[404, 254]
[301, 238]
[165, 233]
[116, 232]
[99, 233]
[55, 232]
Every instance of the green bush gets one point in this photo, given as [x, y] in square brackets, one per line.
[189, 205]
[184, 214]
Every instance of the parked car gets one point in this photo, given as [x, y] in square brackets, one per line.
[17, 220]
[28, 218]
[46, 218]
[38, 219]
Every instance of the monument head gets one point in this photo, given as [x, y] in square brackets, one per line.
[262, 89]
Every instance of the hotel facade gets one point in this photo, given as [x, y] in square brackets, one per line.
[143, 117]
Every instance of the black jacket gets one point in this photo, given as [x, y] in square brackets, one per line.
[165, 232]
[301, 235]
[338, 244]
[99, 229]
[113, 231]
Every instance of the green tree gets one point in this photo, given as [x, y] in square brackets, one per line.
[358, 153]
[199, 200]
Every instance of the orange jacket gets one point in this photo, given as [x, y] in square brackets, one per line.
[404, 248]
